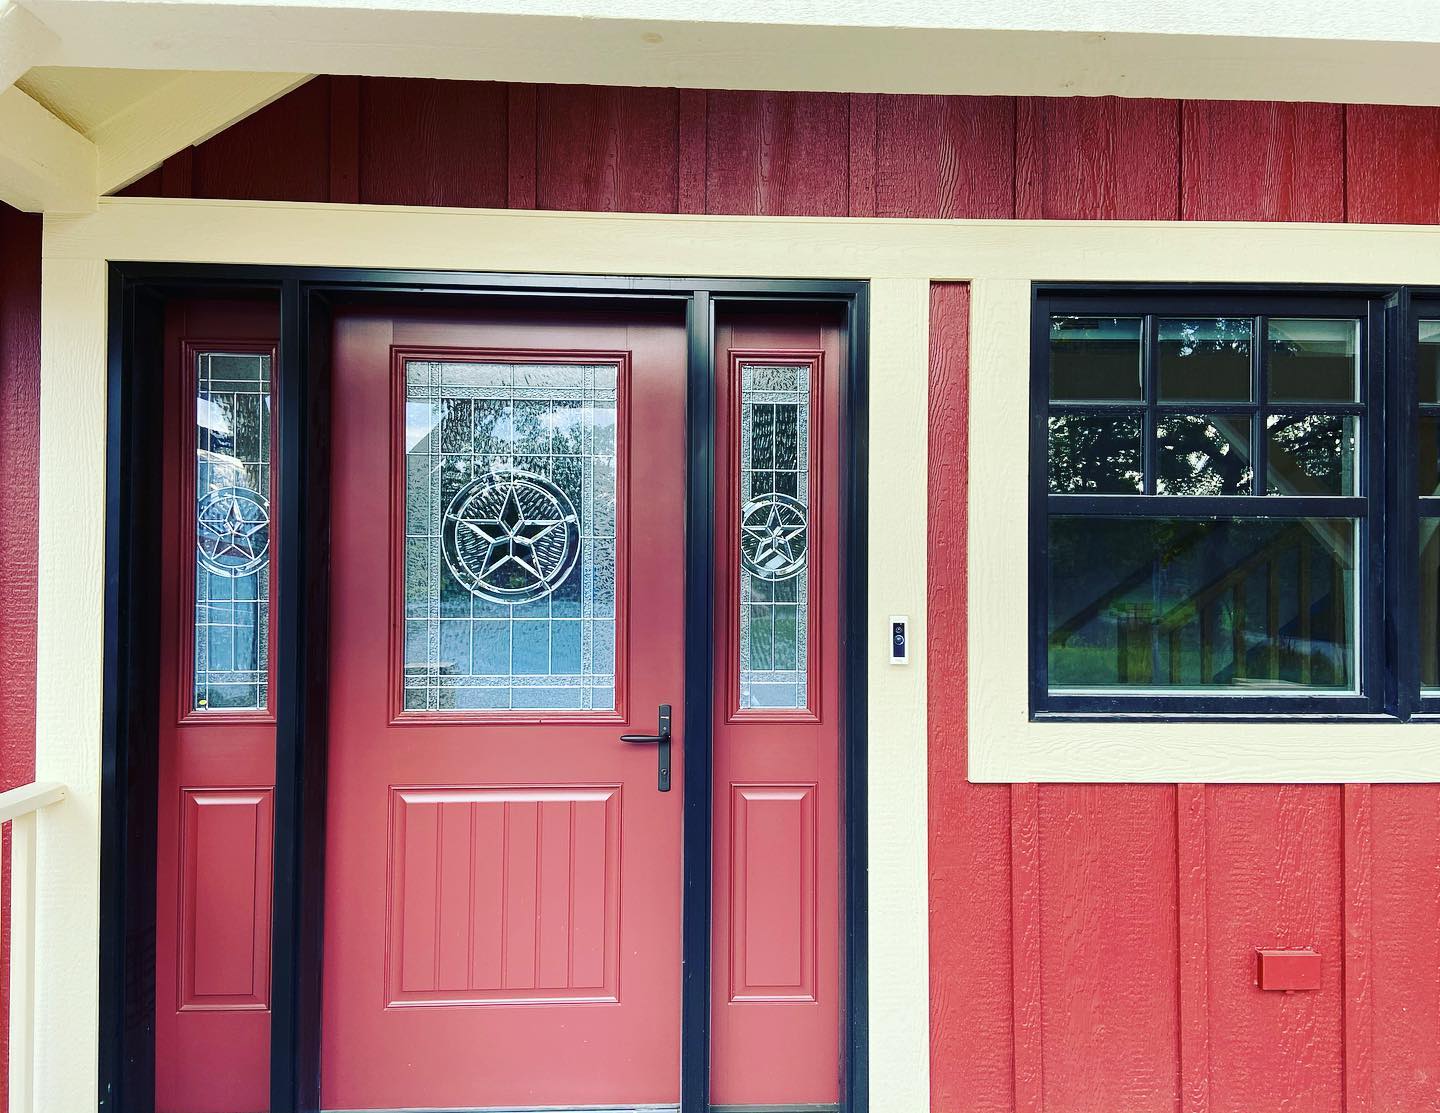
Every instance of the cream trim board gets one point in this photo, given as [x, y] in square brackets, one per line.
[900, 258]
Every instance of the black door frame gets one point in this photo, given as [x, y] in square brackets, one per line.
[307, 297]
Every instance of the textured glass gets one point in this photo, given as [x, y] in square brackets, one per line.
[1312, 454]
[1314, 361]
[1428, 362]
[510, 527]
[774, 535]
[232, 532]
[1205, 360]
[1095, 359]
[1258, 604]
[1203, 455]
[1096, 454]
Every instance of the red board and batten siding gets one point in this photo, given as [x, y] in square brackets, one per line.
[1091, 946]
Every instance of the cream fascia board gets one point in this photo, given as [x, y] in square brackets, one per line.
[1128, 48]
[183, 112]
[45, 165]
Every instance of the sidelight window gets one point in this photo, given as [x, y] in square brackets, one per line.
[1207, 503]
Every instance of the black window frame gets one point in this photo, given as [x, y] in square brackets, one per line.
[1386, 581]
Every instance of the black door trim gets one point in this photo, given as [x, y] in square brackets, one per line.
[138, 292]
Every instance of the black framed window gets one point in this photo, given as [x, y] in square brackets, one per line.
[1208, 495]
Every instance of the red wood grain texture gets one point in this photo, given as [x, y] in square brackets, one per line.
[1027, 954]
[345, 140]
[19, 526]
[1405, 948]
[1097, 158]
[608, 150]
[1359, 1004]
[863, 125]
[971, 1020]
[777, 154]
[945, 157]
[1275, 874]
[281, 153]
[691, 126]
[1392, 160]
[433, 142]
[1192, 896]
[1108, 921]
[522, 141]
[1248, 160]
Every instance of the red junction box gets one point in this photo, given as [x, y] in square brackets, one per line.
[1287, 971]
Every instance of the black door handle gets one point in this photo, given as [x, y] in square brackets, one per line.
[661, 737]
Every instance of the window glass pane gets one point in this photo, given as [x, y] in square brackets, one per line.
[510, 536]
[1096, 453]
[1205, 360]
[1427, 458]
[1202, 455]
[232, 531]
[1428, 369]
[1258, 604]
[1313, 361]
[774, 554]
[1095, 359]
[1430, 602]
[1311, 454]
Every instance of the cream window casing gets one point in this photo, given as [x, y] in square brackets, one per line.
[900, 259]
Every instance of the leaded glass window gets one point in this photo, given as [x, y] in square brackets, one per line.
[510, 535]
[774, 497]
[232, 531]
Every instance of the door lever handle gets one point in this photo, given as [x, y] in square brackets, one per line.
[661, 737]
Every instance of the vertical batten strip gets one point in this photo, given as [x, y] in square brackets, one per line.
[1026, 947]
[1192, 882]
[898, 891]
[1359, 1007]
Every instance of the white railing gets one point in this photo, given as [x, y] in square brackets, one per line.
[18, 808]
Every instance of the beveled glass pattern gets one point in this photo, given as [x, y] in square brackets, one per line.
[231, 667]
[775, 454]
[498, 457]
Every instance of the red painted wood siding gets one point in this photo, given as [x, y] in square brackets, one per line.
[1090, 945]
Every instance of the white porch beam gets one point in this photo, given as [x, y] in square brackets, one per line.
[1230, 49]
[45, 165]
[183, 112]
[24, 42]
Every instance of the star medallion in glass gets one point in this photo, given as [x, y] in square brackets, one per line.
[774, 535]
[510, 529]
[232, 531]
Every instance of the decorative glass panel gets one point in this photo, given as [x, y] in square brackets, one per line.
[510, 529]
[774, 535]
[232, 531]
[1243, 604]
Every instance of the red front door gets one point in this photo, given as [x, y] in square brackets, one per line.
[502, 902]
